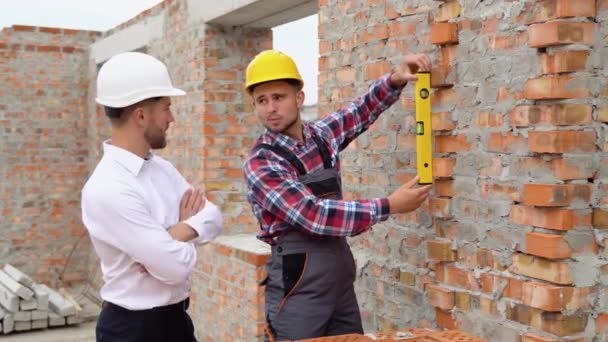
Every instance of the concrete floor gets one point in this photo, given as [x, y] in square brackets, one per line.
[83, 332]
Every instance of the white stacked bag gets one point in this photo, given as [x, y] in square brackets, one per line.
[25, 305]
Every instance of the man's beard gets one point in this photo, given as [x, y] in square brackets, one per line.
[287, 128]
[156, 138]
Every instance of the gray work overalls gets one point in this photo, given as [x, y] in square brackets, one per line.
[309, 288]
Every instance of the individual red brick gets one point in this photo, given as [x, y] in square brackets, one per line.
[555, 323]
[443, 167]
[556, 115]
[560, 168]
[345, 75]
[442, 76]
[488, 305]
[508, 42]
[447, 55]
[444, 33]
[451, 143]
[545, 10]
[376, 32]
[448, 10]
[52, 30]
[506, 143]
[498, 190]
[375, 70]
[549, 246]
[555, 88]
[440, 250]
[600, 218]
[602, 114]
[457, 277]
[561, 33]
[563, 324]
[601, 323]
[444, 187]
[555, 195]
[486, 119]
[558, 219]
[553, 271]
[564, 61]
[505, 286]
[23, 28]
[440, 207]
[562, 141]
[440, 297]
[442, 122]
[444, 319]
[401, 29]
[444, 97]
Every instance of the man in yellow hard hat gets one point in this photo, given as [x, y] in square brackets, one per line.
[294, 187]
[143, 217]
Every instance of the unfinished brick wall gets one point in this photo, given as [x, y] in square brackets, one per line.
[511, 245]
[227, 302]
[43, 97]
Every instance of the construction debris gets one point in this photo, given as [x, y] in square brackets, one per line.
[25, 305]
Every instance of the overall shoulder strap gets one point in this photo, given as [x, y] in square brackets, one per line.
[323, 150]
[287, 155]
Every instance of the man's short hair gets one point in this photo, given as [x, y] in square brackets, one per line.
[297, 85]
[118, 113]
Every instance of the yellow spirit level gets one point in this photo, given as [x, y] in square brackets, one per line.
[424, 149]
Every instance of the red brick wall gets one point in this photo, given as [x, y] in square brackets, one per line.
[227, 301]
[43, 94]
[512, 239]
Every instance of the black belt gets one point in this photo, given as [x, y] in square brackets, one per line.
[181, 306]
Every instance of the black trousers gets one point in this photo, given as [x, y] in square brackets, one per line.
[166, 323]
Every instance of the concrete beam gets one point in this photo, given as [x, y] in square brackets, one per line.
[56, 320]
[42, 297]
[39, 314]
[250, 13]
[15, 287]
[22, 316]
[40, 324]
[31, 304]
[8, 299]
[129, 39]
[23, 326]
[59, 304]
[19, 276]
[9, 324]
[74, 320]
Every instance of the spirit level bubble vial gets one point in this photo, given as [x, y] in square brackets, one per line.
[424, 149]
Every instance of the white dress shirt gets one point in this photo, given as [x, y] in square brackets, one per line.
[128, 204]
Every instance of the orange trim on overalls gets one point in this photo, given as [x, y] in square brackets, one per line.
[267, 327]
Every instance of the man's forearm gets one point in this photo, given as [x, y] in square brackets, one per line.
[182, 232]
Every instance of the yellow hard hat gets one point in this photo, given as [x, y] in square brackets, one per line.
[271, 65]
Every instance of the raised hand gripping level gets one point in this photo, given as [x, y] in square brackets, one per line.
[424, 148]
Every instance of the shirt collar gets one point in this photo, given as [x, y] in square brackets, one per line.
[287, 141]
[129, 160]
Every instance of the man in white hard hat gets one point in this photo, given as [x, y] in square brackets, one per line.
[143, 217]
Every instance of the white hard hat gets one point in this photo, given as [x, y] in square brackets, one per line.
[130, 77]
